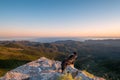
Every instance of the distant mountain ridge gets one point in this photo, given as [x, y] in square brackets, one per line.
[113, 42]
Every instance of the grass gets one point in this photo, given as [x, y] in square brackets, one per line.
[3, 71]
[66, 76]
[88, 74]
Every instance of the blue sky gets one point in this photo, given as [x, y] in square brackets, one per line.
[59, 18]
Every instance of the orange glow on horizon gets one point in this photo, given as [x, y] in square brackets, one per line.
[78, 34]
[66, 32]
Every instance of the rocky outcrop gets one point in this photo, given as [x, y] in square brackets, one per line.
[43, 69]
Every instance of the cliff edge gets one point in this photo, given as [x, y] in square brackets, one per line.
[46, 69]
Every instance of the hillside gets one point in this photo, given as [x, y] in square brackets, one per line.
[45, 69]
[99, 57]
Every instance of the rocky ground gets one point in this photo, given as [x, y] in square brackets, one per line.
[45, 69]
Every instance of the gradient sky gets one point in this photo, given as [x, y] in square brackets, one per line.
[59, 18]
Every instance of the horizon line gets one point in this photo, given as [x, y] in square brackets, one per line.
[60, 37]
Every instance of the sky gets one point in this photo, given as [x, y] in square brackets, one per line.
[59, 18]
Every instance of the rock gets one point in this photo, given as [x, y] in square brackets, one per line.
[44, 69]
[15, 76]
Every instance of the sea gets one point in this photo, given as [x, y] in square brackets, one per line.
[53, 39]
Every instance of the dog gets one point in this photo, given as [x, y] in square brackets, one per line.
[69, 61]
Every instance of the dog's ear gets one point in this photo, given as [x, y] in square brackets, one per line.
[74, 53]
